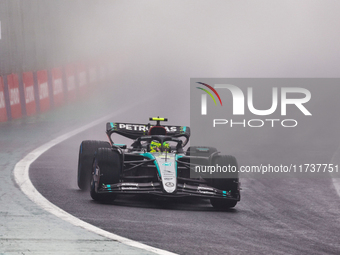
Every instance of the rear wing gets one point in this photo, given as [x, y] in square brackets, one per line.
[133, 130]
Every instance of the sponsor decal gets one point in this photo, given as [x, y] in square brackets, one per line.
[164, 155]
[127, 188]
[206, 192]
[169, 184]
[167, 164]
[2, 100]
[29, 94]
[129, 184]
[58, 86]
[43, 89]
[14, 96]
[136, 127]
[205, 188]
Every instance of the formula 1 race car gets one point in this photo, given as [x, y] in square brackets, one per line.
[156, 164]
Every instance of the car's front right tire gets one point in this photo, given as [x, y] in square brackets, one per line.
[86, 154]
[106, 170]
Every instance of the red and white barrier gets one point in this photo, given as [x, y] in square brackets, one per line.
[3, 111]
[82, 78]
[57, 85]
[28, 82]
[48, 89]
[70, 74]
[14, 95]
[44, 99]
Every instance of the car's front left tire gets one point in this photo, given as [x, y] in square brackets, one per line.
[228, 184]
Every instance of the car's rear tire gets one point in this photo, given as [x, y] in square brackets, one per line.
[106, 170]
[200, 151]
[230, 183]
[85, 160]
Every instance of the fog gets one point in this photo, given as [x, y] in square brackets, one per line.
[153, 48]
[226, 39]
[157, 46]
[160, 45]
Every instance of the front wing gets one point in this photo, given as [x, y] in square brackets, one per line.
[183, 190]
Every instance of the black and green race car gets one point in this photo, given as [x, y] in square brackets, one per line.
[155, 163]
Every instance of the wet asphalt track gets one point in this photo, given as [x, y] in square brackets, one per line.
[275, 216]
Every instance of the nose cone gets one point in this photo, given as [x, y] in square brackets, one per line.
[167, 167]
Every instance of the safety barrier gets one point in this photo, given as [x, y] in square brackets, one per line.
[15, 101]
[3, 110]
[70, 77]
[43, 91]
[36, 92]
[57, 86]
[30, 101]
[82, 78]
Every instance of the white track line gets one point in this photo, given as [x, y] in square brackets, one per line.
[21, 177]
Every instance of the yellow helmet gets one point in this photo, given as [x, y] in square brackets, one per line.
[156, 146]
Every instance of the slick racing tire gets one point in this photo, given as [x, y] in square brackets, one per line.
[106, 170]
[86, 155]
[230, 183]
[200, 151]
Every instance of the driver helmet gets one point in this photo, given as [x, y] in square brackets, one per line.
[155, 146]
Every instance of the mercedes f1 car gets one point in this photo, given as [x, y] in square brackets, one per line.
[155, 163]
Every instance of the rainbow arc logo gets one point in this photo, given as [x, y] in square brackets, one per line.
[204, 97]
